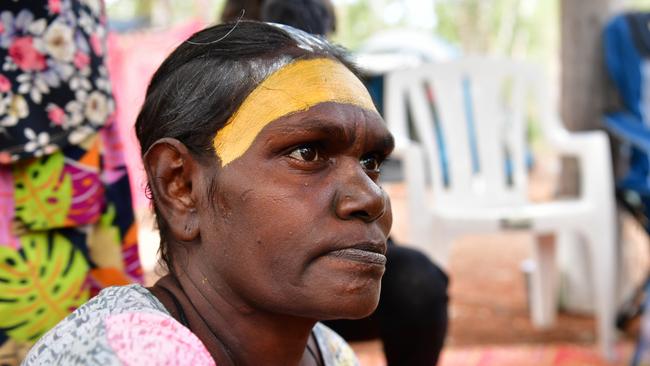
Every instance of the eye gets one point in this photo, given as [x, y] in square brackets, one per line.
[370, 163]
[305, 153]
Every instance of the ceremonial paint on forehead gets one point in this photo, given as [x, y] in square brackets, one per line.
[295, 87]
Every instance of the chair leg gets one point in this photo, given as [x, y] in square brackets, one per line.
[603, 256]
[544, 282]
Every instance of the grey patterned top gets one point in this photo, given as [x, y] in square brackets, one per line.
[128, 325]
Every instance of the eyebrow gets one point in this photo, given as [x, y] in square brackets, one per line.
[305, 126]
[387, 143]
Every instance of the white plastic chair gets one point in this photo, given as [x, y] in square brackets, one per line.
[467, 139]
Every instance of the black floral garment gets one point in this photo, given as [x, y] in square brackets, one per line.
[54, 87]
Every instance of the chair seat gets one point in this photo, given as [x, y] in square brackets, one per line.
[538, 217]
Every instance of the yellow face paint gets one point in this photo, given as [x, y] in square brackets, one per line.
[296, 87]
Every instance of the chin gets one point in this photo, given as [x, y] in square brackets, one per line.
[341, 290]
[361, 309]
[356, 305]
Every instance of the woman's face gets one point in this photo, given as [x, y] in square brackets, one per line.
[298, 223]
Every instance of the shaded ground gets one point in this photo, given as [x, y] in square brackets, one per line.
[488, 297]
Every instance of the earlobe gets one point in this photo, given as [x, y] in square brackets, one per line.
[172, 172]
[190, 228]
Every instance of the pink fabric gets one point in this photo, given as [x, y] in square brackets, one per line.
[7, 208]
[132, 60]
[152, 339]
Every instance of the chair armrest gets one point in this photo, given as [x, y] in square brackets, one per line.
[592, 150]
[568, 143]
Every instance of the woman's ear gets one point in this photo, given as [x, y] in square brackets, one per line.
[173, 176]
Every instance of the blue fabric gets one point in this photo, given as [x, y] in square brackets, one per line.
[623, 62]
[630, 129]
[625, 45]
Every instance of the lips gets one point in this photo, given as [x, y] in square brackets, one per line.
[370, 253]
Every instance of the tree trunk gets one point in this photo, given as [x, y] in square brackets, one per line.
[583, 98]
[583, 80]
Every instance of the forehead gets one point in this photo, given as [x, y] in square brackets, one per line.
[294, 88]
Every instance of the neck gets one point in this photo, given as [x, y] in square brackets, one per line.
[234, 333]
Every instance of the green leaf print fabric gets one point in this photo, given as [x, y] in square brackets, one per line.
[68, 232]
[43, 194]
[39, 284]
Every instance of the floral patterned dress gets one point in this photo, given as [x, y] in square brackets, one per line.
[66, 223]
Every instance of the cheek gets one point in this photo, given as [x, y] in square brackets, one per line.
[386, 221]
[274, 224]
[270, 237]
[289, 208]
[286, 225]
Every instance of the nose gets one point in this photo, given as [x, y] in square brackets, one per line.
[359, 197]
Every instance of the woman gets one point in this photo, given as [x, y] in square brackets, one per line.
[262, 150]
[411, 318]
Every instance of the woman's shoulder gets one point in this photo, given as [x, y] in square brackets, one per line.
[82, 337]
[335, 350]
[118, 299]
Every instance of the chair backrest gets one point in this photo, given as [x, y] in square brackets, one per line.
[470, 116]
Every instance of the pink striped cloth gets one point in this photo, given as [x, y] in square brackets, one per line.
[132, 60]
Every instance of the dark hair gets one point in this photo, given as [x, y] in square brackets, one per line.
[312, 16]
[203, 81]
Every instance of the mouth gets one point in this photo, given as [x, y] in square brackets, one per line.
[370, 253]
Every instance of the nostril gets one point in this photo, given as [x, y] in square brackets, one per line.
[361, 214]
